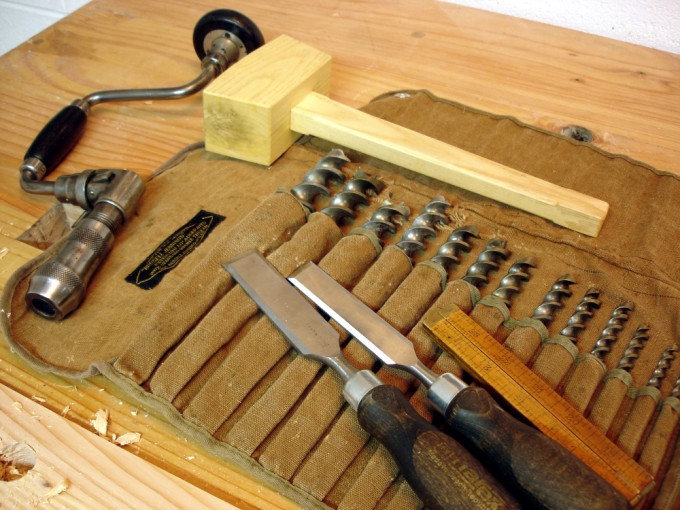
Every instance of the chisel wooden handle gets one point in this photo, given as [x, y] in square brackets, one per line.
[538, 470]
[443, 473]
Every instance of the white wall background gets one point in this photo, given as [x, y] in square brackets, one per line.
[653, 23]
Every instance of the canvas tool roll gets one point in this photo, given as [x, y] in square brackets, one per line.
[164, 321]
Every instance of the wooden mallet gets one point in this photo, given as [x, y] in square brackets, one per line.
[262, 104]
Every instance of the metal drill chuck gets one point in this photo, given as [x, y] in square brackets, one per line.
[611, 330]
[423, 227]
[355, 193]
[487, 261]
[386, 218]
[582, 314]
[448, 253]
[511, 282]
[554, 299]
[635, 345]
[662, 367]
[314, 183]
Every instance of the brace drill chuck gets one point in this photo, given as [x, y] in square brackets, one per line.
[111, 196]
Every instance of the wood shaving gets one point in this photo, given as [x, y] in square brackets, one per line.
[100, 422]
[38, 399]
[66, 410]
[128, 438]
[17, 406]
[3, 252]
[56, 490]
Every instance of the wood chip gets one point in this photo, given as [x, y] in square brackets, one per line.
[66, 410]
[100, 421]
[56, 490]
[17, 406]
[38, 399]
[128, 438]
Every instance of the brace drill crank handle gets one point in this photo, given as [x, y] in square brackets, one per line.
[540, 470]
[59, 136]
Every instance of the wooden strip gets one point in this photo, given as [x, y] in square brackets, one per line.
[320, 116]
[494, 366]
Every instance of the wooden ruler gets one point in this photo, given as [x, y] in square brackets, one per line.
[497, 368]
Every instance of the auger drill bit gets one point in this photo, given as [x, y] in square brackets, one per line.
[207, 282]
[590, 368]
[675, 392]
[612, 329]
[557, 355]
[645, 406]
[632, 352]
[662, 367]
[525, 339]
[314, 183]
[386, 218]
[554, 299]
[448, 253]
[487, 261]
[355, 193]
[511, 282]
[583, 313]
[617, 383]
[423, 227]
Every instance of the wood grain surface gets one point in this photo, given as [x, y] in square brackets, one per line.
[627, 95]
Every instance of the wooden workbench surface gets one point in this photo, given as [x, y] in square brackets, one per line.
[628, 96]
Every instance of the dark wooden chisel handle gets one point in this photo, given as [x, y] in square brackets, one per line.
[541, 472]
[443, 473]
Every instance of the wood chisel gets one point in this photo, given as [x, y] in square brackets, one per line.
[443, 473]
[541, 472]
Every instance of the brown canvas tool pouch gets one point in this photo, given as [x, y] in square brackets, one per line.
[165, 322]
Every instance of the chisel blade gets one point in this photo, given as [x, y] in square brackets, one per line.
[390, 346]
[307, 331]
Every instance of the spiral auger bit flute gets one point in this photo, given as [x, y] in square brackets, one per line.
[612, 329]
[487, 261]
[663, 366]
[636, 344]
[511, 283]
[423, 228]
[554, 299]
[356, 192]
[583, 313]
[449, 252]
[315, 182]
